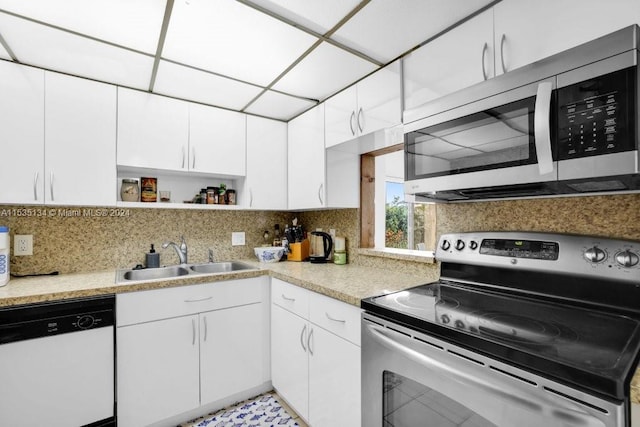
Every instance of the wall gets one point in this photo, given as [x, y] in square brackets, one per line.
[81, 241]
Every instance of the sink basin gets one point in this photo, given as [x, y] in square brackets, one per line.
[220, 267]
[155, 273]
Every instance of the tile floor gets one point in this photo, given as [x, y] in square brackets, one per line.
[230, 416]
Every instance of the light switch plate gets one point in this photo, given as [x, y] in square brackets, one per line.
[237, 238]
[23, 244]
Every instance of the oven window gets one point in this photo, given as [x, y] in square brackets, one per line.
[407, 403]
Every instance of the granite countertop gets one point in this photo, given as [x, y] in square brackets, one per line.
[348, 283]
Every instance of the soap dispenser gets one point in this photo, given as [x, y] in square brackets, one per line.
[152, 258]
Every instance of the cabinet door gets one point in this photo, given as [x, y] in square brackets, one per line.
[458, 59]
[266, 181]
[379, 96]
[232, 342]
[157, 370]
[535, 30]
[21, 134]
[306, 163]
[343, 179]
[80, 141]
[289, 364]
[334, 380]
[340, 117]
[152, 131]
[217, 141]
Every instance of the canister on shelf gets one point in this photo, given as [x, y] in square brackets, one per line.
[211, 195]
[203, 196]
[231, 197]
[149, 187]
[129, 190]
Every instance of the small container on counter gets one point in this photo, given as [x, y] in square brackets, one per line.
[149, 189]
[203, 196]
[231, 197]
[129, 190]
[212, 197]
[152, 258]
[340, 257]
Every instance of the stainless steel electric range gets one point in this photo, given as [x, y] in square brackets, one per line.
[522, 329]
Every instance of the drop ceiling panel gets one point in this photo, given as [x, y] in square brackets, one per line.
[232, 39]
[317, 15]
[386, 29]
[56, 50]
[324, 72]
[134, 24]
[183, 82]
[279, 106]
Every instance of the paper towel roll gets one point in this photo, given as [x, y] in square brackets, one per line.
[340, 244]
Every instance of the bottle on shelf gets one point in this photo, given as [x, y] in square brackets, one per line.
[277, 241]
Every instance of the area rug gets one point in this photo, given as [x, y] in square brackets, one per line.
[263, 411]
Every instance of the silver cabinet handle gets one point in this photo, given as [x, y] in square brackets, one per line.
[353, 116]
[183, 158]
[51, 186]
[250, 197]
[542, 128]
[193, 331]
[287, 298]
[35, 186]
[193, 156]
[204, 322]
[333, 319]
[198, 300]
[484, 55]
[302, 339]
[502, 40]
[320, 194]
[360, 126]
[309, 341]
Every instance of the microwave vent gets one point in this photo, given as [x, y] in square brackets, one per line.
[598, 186]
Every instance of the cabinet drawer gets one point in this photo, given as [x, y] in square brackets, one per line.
[146, 306]
[335, 316]
[290, 297]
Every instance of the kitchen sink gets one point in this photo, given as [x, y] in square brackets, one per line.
[181, 270]
[221, 267]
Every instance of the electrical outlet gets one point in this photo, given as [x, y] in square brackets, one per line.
[23, 244]
[237, 238]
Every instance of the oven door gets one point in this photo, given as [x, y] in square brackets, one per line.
[411, 379]
[505, 139]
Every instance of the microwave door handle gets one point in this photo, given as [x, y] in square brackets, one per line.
[512, 393]
[542, 127]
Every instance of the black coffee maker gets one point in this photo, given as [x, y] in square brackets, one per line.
[327, 245]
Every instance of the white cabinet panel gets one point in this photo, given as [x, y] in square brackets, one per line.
[157, 371]
[289, 364]
[306, 164]
[153, 131]
[343, 179]
[340, 117]
[21, 134]
[455, 60]
[535, 30]
[231, 357]
[266, 181]
[80, 141]
[217, 141]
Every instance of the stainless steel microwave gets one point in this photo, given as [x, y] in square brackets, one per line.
[564, 125]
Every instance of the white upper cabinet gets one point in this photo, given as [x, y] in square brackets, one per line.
[80, 141]
[527, 31]
[21, 134]
[458, 59]
[217, 141]
[306, 162]
[266, 181]
[153, 131]
[372, 104]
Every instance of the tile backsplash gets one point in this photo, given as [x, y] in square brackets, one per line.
[77, 240]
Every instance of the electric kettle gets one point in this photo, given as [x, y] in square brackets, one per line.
[327, 245]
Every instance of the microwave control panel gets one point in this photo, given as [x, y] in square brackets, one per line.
[595, 116]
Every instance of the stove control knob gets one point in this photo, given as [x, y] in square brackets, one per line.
[473, 245]
[627, 258]
[459, 324]
[445, 245]
[460, 244]
[595, 255]
[86, 321]
[445, 319]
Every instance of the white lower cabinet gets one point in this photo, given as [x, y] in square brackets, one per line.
[315, 355]
[183, 348]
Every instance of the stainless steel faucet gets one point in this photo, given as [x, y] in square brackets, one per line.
[180, 250]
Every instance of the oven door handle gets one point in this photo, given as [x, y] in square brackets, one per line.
[542, 127]
[492, 385]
